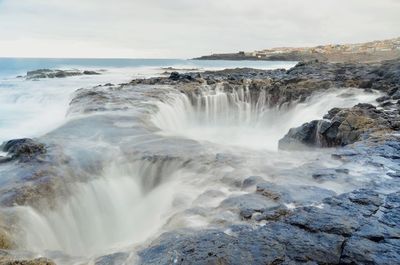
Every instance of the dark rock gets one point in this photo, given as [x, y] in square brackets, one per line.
[5, 159]
[297, 194]
[251, 181]
[396, 95]
[113, 259]
[383, 98]
[329, 173]
[265, 245]
[49, 73]
[24, 149]
[87, 72]
[346, 230]
[248, 202]
[345, 126]
[358, 250]
[174, 76]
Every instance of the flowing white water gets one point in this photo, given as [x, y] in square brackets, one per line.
[30, 108]
[234, 119]
[132, 202]
[109, 212]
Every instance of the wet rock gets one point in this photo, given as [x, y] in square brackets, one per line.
[297, 194]
[24, 149]
[5, 159]
[345, 126]
[248, 203]
[209, 195]
[346, 230]
[251, 181]
[175, 76]
[383, 98]
[358, 250]
[329, 220]
[113, 259]
[87, 72]
[40, 261]
[327, 174]
[273, 214]
[396, 95]
[300, 137]
[50, 73]
[265, 245]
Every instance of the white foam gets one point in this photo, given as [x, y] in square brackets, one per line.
[231, 119]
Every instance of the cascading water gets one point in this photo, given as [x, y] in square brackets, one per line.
[237, 118]
[119, 208]
[223, 137]
[134, 200]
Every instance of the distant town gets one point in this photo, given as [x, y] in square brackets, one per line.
[369, 51]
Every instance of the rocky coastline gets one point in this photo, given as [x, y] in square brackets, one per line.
[359, 227]
[356, 227]
[56, 73]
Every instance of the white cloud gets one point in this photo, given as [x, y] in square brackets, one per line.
[185, 28]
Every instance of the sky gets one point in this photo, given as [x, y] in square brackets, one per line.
[186, 28]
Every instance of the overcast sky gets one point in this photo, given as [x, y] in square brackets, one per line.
[186, 28]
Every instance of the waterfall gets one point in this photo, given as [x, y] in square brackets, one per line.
[119, 208]
[244, 119]
[135, 198]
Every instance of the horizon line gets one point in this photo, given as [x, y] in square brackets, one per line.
[91, 58]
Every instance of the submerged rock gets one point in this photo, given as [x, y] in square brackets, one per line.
[50, 73]
[113, 259]
[23, 149]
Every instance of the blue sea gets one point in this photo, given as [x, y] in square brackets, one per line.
[30, 108]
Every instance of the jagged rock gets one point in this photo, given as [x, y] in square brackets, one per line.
[87, 72]
[40, 261]
[112, 259]
[336, 233]
[329, 173]
[248, 203]
[24, 149]
[251, 181]
[297, 194]
[396, 95]
[266, 245]
[343, 127]
[366, 251]
[50, 73]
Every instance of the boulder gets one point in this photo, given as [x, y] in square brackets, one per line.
[23, 149]
[339, 128]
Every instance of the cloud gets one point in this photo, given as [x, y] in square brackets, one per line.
[186, 28]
